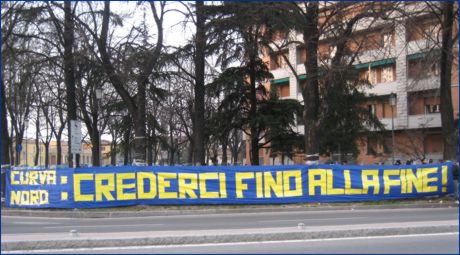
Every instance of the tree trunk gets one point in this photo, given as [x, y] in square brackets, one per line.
[37, 141]
[95, 147]
[139, 126]
[126, 148]
[198, 127]
[69, 76]
[47, 154]
[59, 149]
[113, 152]
[5, 136]
[18, 153]
[447, 114]
[235, 146]
[12, 149]
[224, 152]
[310, 89]
[149, 151]
[253, 107]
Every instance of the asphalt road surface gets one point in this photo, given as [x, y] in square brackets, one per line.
[411, 244]
[17, 225]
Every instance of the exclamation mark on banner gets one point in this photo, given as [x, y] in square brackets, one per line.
[444, 178]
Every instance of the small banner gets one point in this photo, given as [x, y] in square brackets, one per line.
[177, 185]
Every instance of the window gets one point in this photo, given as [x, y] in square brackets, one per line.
[387, 74]
[423, 68]
[371, 109]
[277, 60]
[432, 108]
[379, 74]
[332, 51]
[387, 40]
[301, 55]
[371, 146]
[299, 118]
[283, 90]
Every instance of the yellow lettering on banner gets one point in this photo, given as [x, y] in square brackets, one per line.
[29, 197]
[272, 184]
[141, 194]
[203, 191]
[51, 178]
[414, 180]
[444, 178]
[297, 191]
[44, 197]
[43, 177]
[163, 184]
[389, 182]
[330, 184]
[33, 176]
[403, 181]
[121, 195]
[34, 199]
[222, 185]
[107, 189]
[188, 188]
[13, 179]
[259, 189]
[25, 198]
[239, 185]
[22, 179]
[15, 197]
[374, 182]
[348, 189]
[321, 182]
[77, 179]
[427, 180]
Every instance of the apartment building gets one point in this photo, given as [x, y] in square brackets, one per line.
[400, 59]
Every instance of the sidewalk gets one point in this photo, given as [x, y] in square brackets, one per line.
[118, 239]
[118, 212]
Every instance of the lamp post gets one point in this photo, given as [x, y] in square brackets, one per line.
[392, 104]
[98, 100]
[26, 125]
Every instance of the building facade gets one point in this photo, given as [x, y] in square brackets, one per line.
[401, 58]
[29, 150]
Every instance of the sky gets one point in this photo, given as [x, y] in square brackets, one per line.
[175, 34]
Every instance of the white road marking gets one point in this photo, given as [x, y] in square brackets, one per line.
[222, 244]
[33, 223]
[101, 226]
[300, 220]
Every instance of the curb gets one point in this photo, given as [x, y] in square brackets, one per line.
[119, 214]
[225, 238]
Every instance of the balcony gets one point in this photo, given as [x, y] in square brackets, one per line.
[420, 45]
[280, 73]
[432, 120]
[377, 54]
[381, 89]
[428, 83]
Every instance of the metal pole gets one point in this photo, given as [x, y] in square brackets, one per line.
[392, 136]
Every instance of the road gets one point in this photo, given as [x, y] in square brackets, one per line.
[410, 244]
[18, 225]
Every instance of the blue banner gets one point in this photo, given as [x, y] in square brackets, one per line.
[124, 186]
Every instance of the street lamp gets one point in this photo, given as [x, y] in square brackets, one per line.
[98, 99]
[26, 125]
[392, 104]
